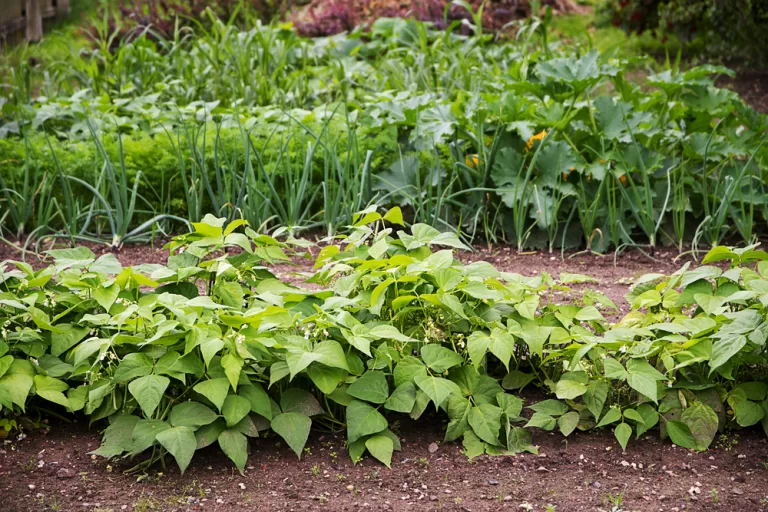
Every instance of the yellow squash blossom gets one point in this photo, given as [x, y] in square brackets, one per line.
[472, 161]
[532, 140]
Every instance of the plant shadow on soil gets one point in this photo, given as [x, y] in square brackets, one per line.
[51, 469]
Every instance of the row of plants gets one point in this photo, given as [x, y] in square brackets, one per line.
[213, 348]
[526, 141]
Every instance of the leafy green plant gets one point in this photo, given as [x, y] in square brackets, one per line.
[213, 348]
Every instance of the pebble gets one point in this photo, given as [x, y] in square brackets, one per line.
[31, 487]
[241, 485]
[493, 482]
[432, 447]
[64, 473]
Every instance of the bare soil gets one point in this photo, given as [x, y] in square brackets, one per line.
[50, 469]
[752, 86]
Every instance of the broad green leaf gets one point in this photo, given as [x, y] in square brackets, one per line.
[567, 389]
[331, 354]
[326, 378]
[298, 359]
[614, 369]
[458, 411]
[395, 216]
[381, 447]
[363, 420]
[235, 408]
[294, 427]
[595, 397]
[148, 392]
[300, 400]
[145, 432]
[436, 388]
[702, 422]
[477, 345]
[106, 296]
[550, 407]
[567, 422]
[181, 443]
[502, 345]
[402, 399]
[473, 446]
[67, 337]
[748, 413]
[191, 414]
[260, 403]
[356, 450]
[510, 405]
[235, 446]
[535, 337]
[439, 358]
[372, 387]
[542, 420]
[650, 418]
[485, 420]
[519, 440]
[133, 365]
[52, 389]
[406, 369]
[517, 380]
[118, 437]
[208, 434]
[611, 416]
[232, 365]
[215, 390]
[623, 432]
[247, 426]
[209, 347]
[723, 349]
[680, 434]
[642, 377]
[527, 308]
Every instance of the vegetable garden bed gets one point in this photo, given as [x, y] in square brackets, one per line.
[454, 352]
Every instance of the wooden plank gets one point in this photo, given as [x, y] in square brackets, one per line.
[33, 14]
[11, 11]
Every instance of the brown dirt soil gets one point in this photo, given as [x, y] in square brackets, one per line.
[327, 17]
[752, 86]
[51, 470]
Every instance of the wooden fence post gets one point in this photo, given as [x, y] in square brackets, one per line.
[34, 16]
[62, 7]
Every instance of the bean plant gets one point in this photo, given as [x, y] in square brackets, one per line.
[214, 348]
